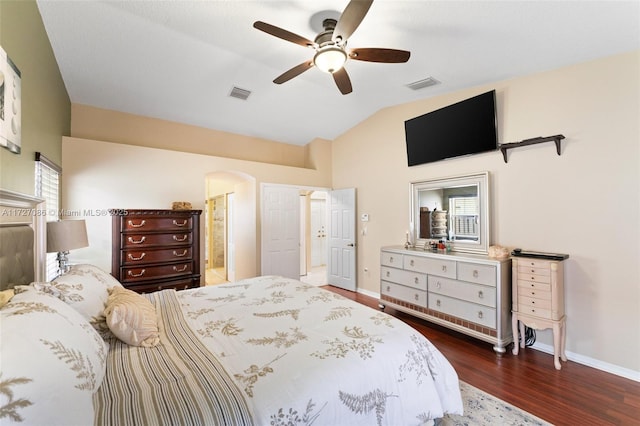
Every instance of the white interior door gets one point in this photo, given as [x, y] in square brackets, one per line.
[341, 261]
[280, 231]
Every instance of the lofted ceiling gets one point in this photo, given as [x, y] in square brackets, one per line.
[179, 60]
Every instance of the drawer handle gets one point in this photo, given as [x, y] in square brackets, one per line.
[184, 222]
[391, 259]
[388, 288]
[140, 225]
[131, 274]
[475, 274]
[416, 280]
[533, 270]
[480, 314]
[140, 241]
[438, 302]
[184, 238]
[417, 297]
[132, 257]
[184, 253]
[438, 285]
[388, 274]
[444, 268]
[532, 263]
[184, 268]
[411, 262]
[533, 278]
[480, 295]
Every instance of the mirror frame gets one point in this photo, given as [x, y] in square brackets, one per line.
[482, 181]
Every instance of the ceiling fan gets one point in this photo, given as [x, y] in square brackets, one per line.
[330, 46]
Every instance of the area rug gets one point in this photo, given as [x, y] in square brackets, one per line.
[481, 408]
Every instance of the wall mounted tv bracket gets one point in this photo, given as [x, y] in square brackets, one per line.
[505, 146]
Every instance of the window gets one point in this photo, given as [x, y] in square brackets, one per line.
[464, 217]
[48, 188]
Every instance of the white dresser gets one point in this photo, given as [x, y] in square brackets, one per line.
[466, 292]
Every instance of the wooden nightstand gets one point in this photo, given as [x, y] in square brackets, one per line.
[538, 301]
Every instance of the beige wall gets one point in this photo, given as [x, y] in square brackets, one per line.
[46, 110]
[103, 175]
[585, 202]
[105, 125]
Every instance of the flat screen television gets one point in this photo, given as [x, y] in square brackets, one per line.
[464, 128]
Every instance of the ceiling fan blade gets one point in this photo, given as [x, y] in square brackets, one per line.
[283, 34]
[293, 72]
[350, 19]
[342, 81]
[372, 54]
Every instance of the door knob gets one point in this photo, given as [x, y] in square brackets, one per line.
[350, 245]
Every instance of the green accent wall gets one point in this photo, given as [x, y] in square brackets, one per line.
[46, 109]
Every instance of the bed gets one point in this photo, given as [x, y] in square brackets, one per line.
[266, 351]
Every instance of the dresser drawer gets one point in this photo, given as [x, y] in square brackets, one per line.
[391, 259]
[537, 290]
[137, 224]
[180, 284]
[134, 257]
[440, 267]
[479, 274]
[534, 278]
[478, 314]
[534, 311]
[141, 273]
[534, 263]
[527, 269]
[151, 240]
[535, 302]
[408, 294]
[475, 293]
[408, 278]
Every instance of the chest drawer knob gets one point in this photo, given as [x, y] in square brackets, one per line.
[391, 259]
[438, 284]
[131, 274]
[480, 314]
[416, 296]
[388, 288]
[388, 274]
[475, 273]
[416, 280]
[132, 257]
[180, 238]
[176, 254]
[480, 294]
[438, 303]
[183, 223]
[444, 268]
[411, 262]
[184, 268]
[138, 225]
[140, 241]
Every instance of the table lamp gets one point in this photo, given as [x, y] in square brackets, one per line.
[65, 235]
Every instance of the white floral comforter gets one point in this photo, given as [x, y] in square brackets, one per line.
[304, 355]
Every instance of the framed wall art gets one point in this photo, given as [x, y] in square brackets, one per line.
[10, 104]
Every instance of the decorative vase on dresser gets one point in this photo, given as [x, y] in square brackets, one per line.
[156, 249]
[538, 301]
[469, 293]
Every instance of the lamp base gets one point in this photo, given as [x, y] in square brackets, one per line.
[63, 262]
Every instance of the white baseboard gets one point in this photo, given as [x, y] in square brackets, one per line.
[580, 359]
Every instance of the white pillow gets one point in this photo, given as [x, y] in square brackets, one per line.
[132, 318]
[85, 287]
[52, 361]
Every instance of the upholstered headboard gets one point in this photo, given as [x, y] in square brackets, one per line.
[22, 239]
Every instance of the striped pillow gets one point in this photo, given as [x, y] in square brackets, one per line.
[132, 318]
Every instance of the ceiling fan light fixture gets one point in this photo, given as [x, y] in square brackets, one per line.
[330, 59]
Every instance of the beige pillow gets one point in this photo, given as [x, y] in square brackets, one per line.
[132, 318]
[5, 296]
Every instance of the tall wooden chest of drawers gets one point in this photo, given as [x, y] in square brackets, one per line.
[465, 292]
[156, 249]
[538, 301]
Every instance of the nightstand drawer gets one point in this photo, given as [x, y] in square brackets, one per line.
[526, 269]
[534, 277]
[536, 303]
[538, 292]
[534, 311]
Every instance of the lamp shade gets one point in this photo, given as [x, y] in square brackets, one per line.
[330, 59]
[66, 235]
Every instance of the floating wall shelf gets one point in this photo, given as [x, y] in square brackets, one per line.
[506, 146]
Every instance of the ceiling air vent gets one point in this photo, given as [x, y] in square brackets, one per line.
[421, 84]
[239, 93]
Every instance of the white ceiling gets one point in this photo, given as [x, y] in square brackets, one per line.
[178, 60]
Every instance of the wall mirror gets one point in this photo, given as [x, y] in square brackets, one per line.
[454, 209]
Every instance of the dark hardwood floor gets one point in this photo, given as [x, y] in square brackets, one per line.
[575, 395]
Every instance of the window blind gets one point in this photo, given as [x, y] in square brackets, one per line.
[48, 188]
